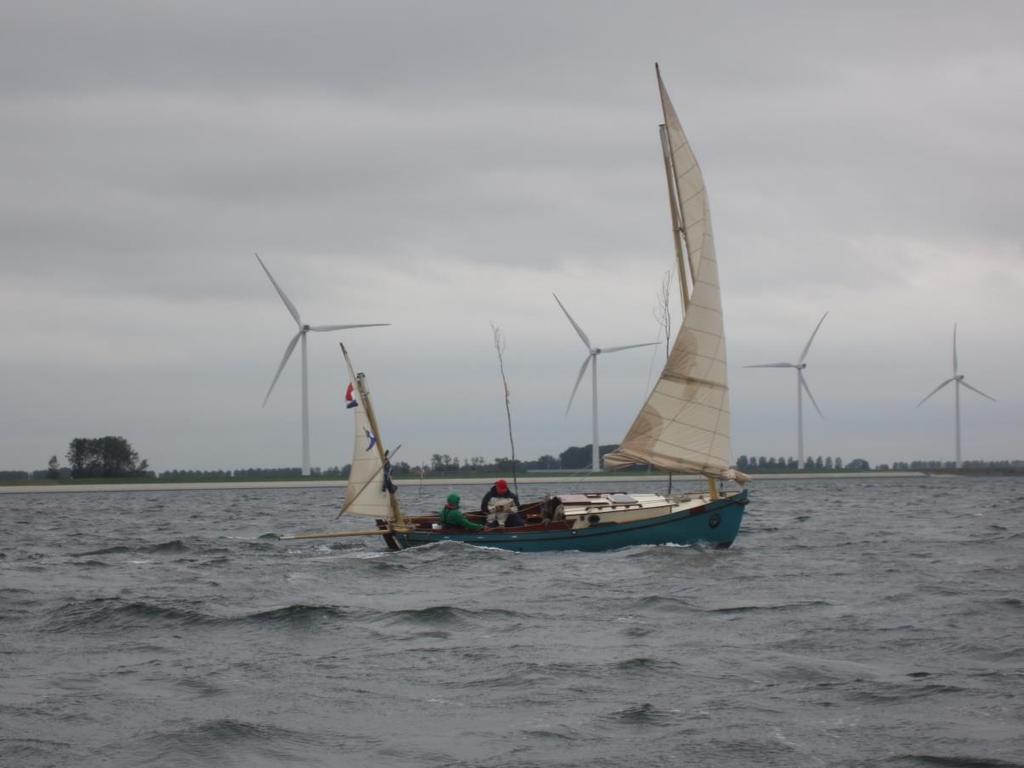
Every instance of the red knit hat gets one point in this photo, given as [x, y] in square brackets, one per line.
[501, 485]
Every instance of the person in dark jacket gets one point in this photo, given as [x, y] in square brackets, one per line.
[501, 496]
[451, 515]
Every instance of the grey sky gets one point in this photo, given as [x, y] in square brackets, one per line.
[443, 165]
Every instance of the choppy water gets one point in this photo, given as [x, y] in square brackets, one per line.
[853, 623]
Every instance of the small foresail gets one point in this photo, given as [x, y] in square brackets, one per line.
[684, 425]
[366, 493]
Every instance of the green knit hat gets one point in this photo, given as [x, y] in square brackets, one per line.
[453, 499]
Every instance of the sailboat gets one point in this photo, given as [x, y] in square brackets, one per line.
[683, 427]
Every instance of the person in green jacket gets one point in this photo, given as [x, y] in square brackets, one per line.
[452, 516]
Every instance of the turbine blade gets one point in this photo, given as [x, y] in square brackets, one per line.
[772, 365]
[975, 389]
[284, 361]
[583, 370]
[807, 346]
[947, 381]
[954, 351]
[605, 350]
[807, 389]
[574, 325]
[285, 299]
[343, 327]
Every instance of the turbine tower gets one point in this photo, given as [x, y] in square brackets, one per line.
[591, 360]
[958, 380]
[801, 387]
[301, 335]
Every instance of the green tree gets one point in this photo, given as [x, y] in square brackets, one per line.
[108, 456]
[580, 457]
[547, 461]
[506, 465]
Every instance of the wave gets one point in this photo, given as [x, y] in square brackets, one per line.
[173, 546]
[957, 761]
[118, 550]
[522, 672]
[643, 714]
[199, 686]
[697, 552]
[768, 606]
[446, 615]
[28, 750]
[901, 692]
[209, 739]
[177, 545]
[456, 554]
[645, 664]
[562, 734]
[114, 613]
[18, 596]
[637, 630]
[297, 614]
[661, 602]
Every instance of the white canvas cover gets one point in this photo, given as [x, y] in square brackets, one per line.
[684, 425]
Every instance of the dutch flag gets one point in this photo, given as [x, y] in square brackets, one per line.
[350, 398]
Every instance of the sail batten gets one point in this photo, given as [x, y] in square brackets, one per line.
[684, 426]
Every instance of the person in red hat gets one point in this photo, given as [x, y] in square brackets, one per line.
[501, 506]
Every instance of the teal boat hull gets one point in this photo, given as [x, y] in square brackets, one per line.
[716, 523]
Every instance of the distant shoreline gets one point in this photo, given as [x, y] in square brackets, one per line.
[430, 481]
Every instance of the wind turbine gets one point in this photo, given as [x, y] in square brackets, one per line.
[591, 359]
[801, 387]
[958, 380]
[301, 335]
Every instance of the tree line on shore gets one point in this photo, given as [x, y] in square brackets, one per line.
[113, 457]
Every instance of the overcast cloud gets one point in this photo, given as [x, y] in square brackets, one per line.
[441, 166]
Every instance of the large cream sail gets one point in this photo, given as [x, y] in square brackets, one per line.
[684, 425]
[366, 493]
